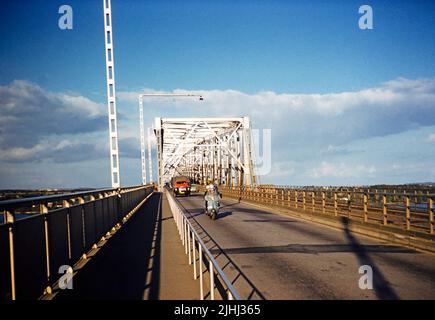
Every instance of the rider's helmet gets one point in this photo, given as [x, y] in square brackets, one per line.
[210, 187]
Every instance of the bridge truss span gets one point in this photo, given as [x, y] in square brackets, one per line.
[219, 149]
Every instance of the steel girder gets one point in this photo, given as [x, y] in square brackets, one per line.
[218, 149]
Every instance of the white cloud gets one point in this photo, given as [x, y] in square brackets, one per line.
[341, 170]
[315, 137]
[315, 128]
[20, 153]
[38, 125]
[393, 107]
[64, 150]
[337, 151]
[282, 168]
[79, 105]
[28, 113]
[21, 96]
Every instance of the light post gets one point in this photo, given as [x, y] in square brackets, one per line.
[142, 133]
[150, 167]
[111, 96]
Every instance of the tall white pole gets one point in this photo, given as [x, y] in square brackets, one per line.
[111, 95]
[142, 143]
[150, 160]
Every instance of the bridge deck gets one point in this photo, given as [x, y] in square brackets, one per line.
[265, 255]
[281, 257]
[143, 260]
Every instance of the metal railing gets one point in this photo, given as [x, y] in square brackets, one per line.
[409, 189]
[193, 246]
[57, 231]
[408, 211]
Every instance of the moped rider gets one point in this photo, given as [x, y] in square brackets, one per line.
[210, 188]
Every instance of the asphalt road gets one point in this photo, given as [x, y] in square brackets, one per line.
[273, 256]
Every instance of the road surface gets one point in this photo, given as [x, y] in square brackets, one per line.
[273, 256]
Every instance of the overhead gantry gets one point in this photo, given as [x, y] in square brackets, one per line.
[219, 149]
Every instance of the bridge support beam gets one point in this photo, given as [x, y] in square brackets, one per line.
[219, 149]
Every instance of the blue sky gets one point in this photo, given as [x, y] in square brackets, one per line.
[306, 54]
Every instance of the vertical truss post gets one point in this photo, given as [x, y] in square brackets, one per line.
[247, 157]
[233, 173]
[150, 159]
[228, 165]
[237, 152]
[142, 143]
[159, 142]
[111, 95]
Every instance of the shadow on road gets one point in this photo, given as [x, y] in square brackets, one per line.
[314, 249]
[128, 265]
[237, 278]
[381, 285]
[222, 215]
[230, 205]
[271, 220]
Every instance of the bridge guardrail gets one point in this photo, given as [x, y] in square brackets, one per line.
[193, 243]
[406, 211]
[415, 190]
[32, 249]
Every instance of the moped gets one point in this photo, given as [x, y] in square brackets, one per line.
[213, 203]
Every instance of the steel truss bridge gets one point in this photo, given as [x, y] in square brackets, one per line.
[268, 242]
[219, 149]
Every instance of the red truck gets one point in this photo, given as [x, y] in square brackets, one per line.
[180, 186]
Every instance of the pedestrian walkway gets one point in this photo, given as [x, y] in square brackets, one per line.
[176, 280]
[143, 260]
